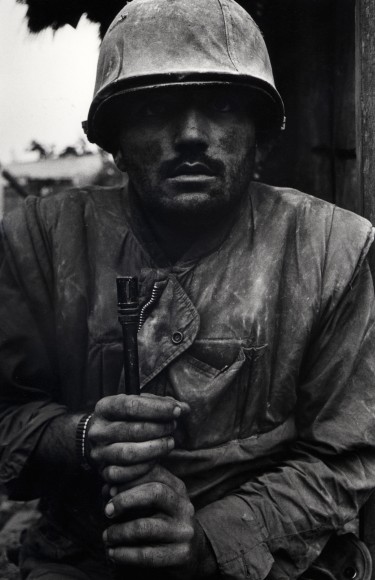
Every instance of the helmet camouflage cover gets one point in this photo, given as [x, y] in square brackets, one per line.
[161, 43]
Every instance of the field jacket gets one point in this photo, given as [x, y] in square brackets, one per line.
[266, 329]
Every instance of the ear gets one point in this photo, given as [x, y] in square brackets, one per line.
[266, 141]
[119, 160]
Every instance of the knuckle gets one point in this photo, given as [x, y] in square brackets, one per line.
[94, 432]
[189, 533]
[155, 558]
[117, 534]
[185, 551]
[164, 430]
[143, 528]
[142, 470]
[98, 407]
[185, 508]
[118, 502]
[135, 471]
[158, 490]
[102, 405]
[127, 454]
[95, 454]
[137, 431]
[122, 456]
[122, 432]
[180, 487]
[144, 557]
[110, 535]
[181, 505]
[120, 399]
[132, 405]
[111, 473]
[184, 533]
[190, 511]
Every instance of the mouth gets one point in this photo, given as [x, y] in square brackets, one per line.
[187, 170]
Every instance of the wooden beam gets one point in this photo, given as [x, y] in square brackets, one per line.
[344, 109]
[301, 40]
[365, 105]
[365, 115]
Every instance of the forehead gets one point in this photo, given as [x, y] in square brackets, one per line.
[189, 94]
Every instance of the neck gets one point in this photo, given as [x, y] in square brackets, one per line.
[177, 237]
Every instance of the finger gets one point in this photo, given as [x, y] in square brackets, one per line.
[152, 473]
[185, 407]
[106, 492]
[120, 475]
[152, 556]
[133, 407]
[153, 496]
[117, 432]
[148, 531]
[126, 454]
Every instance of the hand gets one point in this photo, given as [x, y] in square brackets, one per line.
[128, 434]
[164, 534]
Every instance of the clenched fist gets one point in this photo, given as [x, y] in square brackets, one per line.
[129, 434]
[154, 526]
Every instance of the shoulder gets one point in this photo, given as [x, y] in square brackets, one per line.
[70, 208]
[319, 235]
[85, 203]
[309, 217]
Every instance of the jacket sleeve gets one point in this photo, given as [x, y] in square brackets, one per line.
[29, 388]
[280, 521]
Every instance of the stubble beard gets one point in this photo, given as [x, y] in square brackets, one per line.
[194, 210]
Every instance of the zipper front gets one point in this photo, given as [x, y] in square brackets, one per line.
[154, 295]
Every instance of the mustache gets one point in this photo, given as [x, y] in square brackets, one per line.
[170, 168]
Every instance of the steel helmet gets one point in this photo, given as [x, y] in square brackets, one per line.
[162, 43]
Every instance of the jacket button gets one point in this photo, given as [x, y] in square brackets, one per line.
[177, 337]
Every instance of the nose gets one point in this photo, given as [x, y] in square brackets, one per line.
[192, 130]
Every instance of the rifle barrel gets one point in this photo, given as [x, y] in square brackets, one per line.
[128, 316]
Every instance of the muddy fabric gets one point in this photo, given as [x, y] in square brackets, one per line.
[266, 330]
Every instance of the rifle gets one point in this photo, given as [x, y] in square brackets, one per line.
[128, 316]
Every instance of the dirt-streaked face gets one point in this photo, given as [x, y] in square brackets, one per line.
[188, 152]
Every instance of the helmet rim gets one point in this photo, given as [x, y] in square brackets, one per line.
[107, 99]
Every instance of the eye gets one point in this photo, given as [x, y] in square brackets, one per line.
[154, 108]
[223, 104]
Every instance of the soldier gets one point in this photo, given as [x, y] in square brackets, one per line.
[253, 441]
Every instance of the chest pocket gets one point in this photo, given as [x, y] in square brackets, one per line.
[226, 404]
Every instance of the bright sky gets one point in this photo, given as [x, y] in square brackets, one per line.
[46, 82]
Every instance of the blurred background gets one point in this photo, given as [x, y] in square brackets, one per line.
[47, 82]
[46, 85]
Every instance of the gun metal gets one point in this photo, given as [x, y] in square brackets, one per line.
[128, 316]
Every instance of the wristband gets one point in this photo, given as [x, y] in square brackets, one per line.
[81, 433]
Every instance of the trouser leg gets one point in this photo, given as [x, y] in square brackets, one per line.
[57, 572]
[85, 569]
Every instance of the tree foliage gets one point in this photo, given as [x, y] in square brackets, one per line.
[42, 14]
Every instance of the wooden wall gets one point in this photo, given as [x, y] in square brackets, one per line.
[365, 116]
[312, 48]
[323, 55]
[365, 112]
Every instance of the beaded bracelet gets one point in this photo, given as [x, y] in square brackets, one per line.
[81, 433]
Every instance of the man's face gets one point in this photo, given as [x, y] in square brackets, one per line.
[188, 152]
